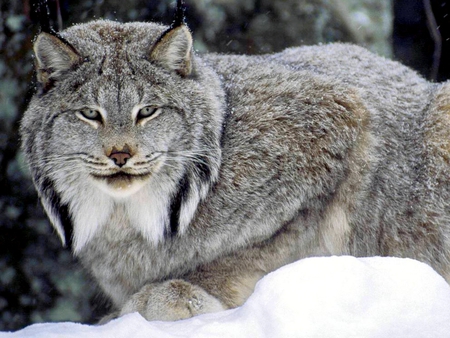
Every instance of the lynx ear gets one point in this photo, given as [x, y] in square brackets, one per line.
[54, 56]
[174, 51]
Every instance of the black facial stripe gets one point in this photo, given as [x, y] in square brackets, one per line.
[66, 223]
[175, 207]
[203, 170]
[58, 209]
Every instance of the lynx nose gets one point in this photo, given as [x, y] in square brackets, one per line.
[120, 157]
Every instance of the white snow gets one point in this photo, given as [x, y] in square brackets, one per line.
[315, 297]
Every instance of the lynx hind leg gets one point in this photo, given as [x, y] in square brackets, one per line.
[171, 300]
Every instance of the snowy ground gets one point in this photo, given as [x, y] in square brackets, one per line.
[316, 297]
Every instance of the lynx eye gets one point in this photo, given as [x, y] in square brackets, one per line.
[146, 113]
[91, 114]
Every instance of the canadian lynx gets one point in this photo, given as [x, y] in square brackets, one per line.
[182, 179]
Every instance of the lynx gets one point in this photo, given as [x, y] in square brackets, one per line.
[180, 180]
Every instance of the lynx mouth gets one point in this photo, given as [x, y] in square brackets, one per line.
[121, 177]
[121, 183]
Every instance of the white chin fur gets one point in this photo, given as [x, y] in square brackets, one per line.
[90, 209]
[143, 205]
[121, 191]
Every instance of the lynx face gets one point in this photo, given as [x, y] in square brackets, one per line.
[125, 123]
[120, 140]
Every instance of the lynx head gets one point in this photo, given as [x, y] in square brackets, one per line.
[126, 122]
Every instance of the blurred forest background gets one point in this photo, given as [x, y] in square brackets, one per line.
[39, 279]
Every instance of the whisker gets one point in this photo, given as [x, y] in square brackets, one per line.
[65, 170]
[81, 161]
[89, 160]
[191, 160]
[170, 166]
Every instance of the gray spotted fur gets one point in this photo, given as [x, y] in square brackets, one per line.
[262, 160]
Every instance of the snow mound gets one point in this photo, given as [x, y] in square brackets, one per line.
[315, 297]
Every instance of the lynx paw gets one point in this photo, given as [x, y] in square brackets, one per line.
[171, 300]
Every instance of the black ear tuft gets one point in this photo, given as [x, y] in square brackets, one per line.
[54, 55]
[42, 11]
[179, 14]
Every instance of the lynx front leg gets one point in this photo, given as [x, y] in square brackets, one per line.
[224, 283]
[171, 300]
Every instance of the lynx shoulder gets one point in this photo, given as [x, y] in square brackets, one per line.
[181, 179]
